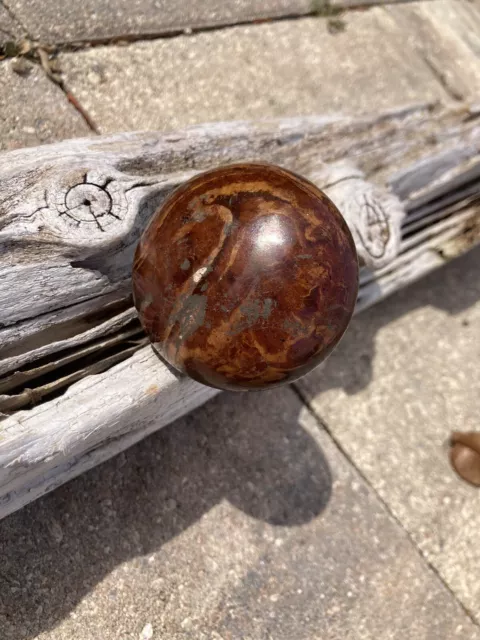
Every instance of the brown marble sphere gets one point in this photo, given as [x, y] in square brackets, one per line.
[246, 277]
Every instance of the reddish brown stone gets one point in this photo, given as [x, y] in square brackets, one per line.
[246, 277]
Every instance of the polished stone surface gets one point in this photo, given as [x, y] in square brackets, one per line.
[246, 277]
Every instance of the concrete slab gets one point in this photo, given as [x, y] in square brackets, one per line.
[446, 34]
[276, 69]
[55, 21]
[33, 110]
[10, 29]
[404, 377]
[242, 520]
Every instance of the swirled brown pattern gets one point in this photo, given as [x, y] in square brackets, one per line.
[246, 277]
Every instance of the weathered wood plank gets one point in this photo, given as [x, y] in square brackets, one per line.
[28, 341]
[407, 182]
[95, 419]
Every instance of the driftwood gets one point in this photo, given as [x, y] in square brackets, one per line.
[78, 381]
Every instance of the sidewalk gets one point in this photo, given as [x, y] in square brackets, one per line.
[368, 60]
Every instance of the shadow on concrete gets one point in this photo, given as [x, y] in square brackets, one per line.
[453, 289]
[250, 452]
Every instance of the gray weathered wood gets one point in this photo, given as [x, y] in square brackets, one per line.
[70, 216]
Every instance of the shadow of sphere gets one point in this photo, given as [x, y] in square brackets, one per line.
[249, 449]
[284, 476]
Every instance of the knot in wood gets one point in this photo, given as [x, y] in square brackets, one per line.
[89, 204]
[373, 214]
[372, 225]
